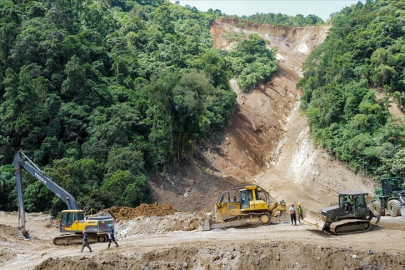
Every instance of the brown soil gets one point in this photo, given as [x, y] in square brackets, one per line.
[159, 246]
[145, 210]
[268, 143]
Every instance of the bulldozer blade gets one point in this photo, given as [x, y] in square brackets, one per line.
[403, 210]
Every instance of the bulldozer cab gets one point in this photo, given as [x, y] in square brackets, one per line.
[245, 197]
[353, 203]
[252, 194]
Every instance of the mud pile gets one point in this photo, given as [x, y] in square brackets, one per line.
[154, 218]
[145, 210]
[179, 221]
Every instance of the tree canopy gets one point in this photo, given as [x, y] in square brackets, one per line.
[282, 19]
[100, 93]
[361, 61]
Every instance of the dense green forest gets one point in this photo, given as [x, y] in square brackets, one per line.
[346, 79]
[100, 93]
[282, 19]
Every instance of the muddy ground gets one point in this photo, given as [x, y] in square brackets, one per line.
[176, 241]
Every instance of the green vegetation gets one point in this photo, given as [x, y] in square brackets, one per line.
[251, 62]
[363, 55]
[282, 19]
[98, 93]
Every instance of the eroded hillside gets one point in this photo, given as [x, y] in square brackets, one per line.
[277, 151]
[268, 141]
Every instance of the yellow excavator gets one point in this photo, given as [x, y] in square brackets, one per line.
[243, 206]
[72, 221]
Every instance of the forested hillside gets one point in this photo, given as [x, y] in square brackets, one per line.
[348, 82]
[99, 93]
[282, 19]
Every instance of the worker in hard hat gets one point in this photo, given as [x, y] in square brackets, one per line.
[293, 215]
[112, 237]
[85, 241]
[300, 213]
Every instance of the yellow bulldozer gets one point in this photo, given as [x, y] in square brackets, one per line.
[243, 206]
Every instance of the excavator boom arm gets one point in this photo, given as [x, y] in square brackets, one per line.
[22, 161]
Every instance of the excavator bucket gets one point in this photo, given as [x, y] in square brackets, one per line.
[23, 234]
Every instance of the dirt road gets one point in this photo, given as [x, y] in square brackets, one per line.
[277, 246]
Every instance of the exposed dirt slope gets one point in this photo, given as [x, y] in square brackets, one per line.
[269, 141]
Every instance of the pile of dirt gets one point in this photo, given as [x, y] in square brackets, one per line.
[145, 210]
[178, 221]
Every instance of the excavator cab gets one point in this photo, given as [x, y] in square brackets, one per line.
[69, 217]
[74, 221]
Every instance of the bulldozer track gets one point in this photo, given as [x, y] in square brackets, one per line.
[350, 226]
[249, 215]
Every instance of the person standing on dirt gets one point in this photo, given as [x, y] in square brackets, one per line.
[300, 213]
[293, 215]
[85, 241]
[112, 237]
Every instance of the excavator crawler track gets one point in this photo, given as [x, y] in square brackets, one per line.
[76, 239]
[349, 226]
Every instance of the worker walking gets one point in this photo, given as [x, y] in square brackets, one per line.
[112, 237]
[85, 241]
[293, 215]
[300, 213]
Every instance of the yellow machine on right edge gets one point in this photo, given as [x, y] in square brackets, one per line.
[243, 206]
